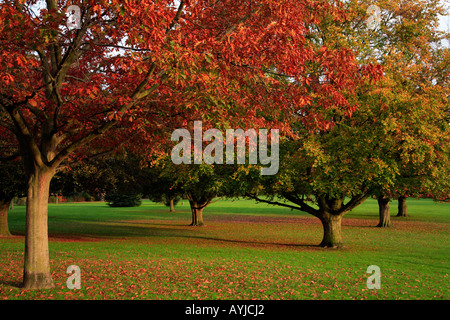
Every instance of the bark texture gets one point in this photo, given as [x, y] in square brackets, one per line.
[402, 207]
[197, 214]
[332, 235]
[4, 227]
[37, 273]
[384, 212]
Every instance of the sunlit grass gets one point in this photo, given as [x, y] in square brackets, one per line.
[246, 251]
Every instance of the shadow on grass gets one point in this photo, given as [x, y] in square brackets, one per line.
[10, 283]
[92, 232]
[258, 243]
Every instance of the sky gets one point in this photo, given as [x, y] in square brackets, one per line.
[445, 20]
[444, 25]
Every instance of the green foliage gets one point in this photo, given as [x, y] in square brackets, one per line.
[197, 182]
[123, 200]
[164, 199]
[159, 187]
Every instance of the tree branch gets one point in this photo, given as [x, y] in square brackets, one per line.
[355, 201]
[25, 135]
[300, 208]
[303, 205]
[177, 16]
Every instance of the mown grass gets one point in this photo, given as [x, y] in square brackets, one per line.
[246, 251]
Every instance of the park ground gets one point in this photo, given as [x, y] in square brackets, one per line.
[245, 251]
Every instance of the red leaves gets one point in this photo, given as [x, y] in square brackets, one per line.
[231, 60]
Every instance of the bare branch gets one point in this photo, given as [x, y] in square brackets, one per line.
[25, 135]
[301, 208]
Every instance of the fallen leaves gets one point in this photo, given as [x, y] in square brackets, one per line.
[237, 259]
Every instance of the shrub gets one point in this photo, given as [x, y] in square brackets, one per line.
[86, 196]
[123, 200]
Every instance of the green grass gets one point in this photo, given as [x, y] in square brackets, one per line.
[245, 251]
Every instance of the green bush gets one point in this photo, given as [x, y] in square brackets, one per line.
[123, 200]
[86, 196]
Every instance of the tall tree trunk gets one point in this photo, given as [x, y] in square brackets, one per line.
[4, 227]
[37, 260]
[197, 214]
[402, 207]
[172, 206]
[332, 236]
[384, 212]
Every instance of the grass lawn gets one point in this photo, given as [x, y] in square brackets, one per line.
[245, 251]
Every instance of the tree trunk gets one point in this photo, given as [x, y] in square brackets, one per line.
[197, 214]
[332, 236]
[37, 260]
[384, 212]
[402, 207]
[4, 208]
[172, 206]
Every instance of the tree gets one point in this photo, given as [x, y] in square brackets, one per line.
[384, 211]
[199, 183]
[168, 199]
[135, 70]
[327, 174]
[402, 207]
[171, 202]
[412, 96]
[160, 187]
[395, 143]
[12, 184]
[105, 178]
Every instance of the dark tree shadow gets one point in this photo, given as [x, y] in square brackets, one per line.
[9, 283]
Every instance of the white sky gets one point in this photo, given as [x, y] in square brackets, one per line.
[445, 23]
[445, 20]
